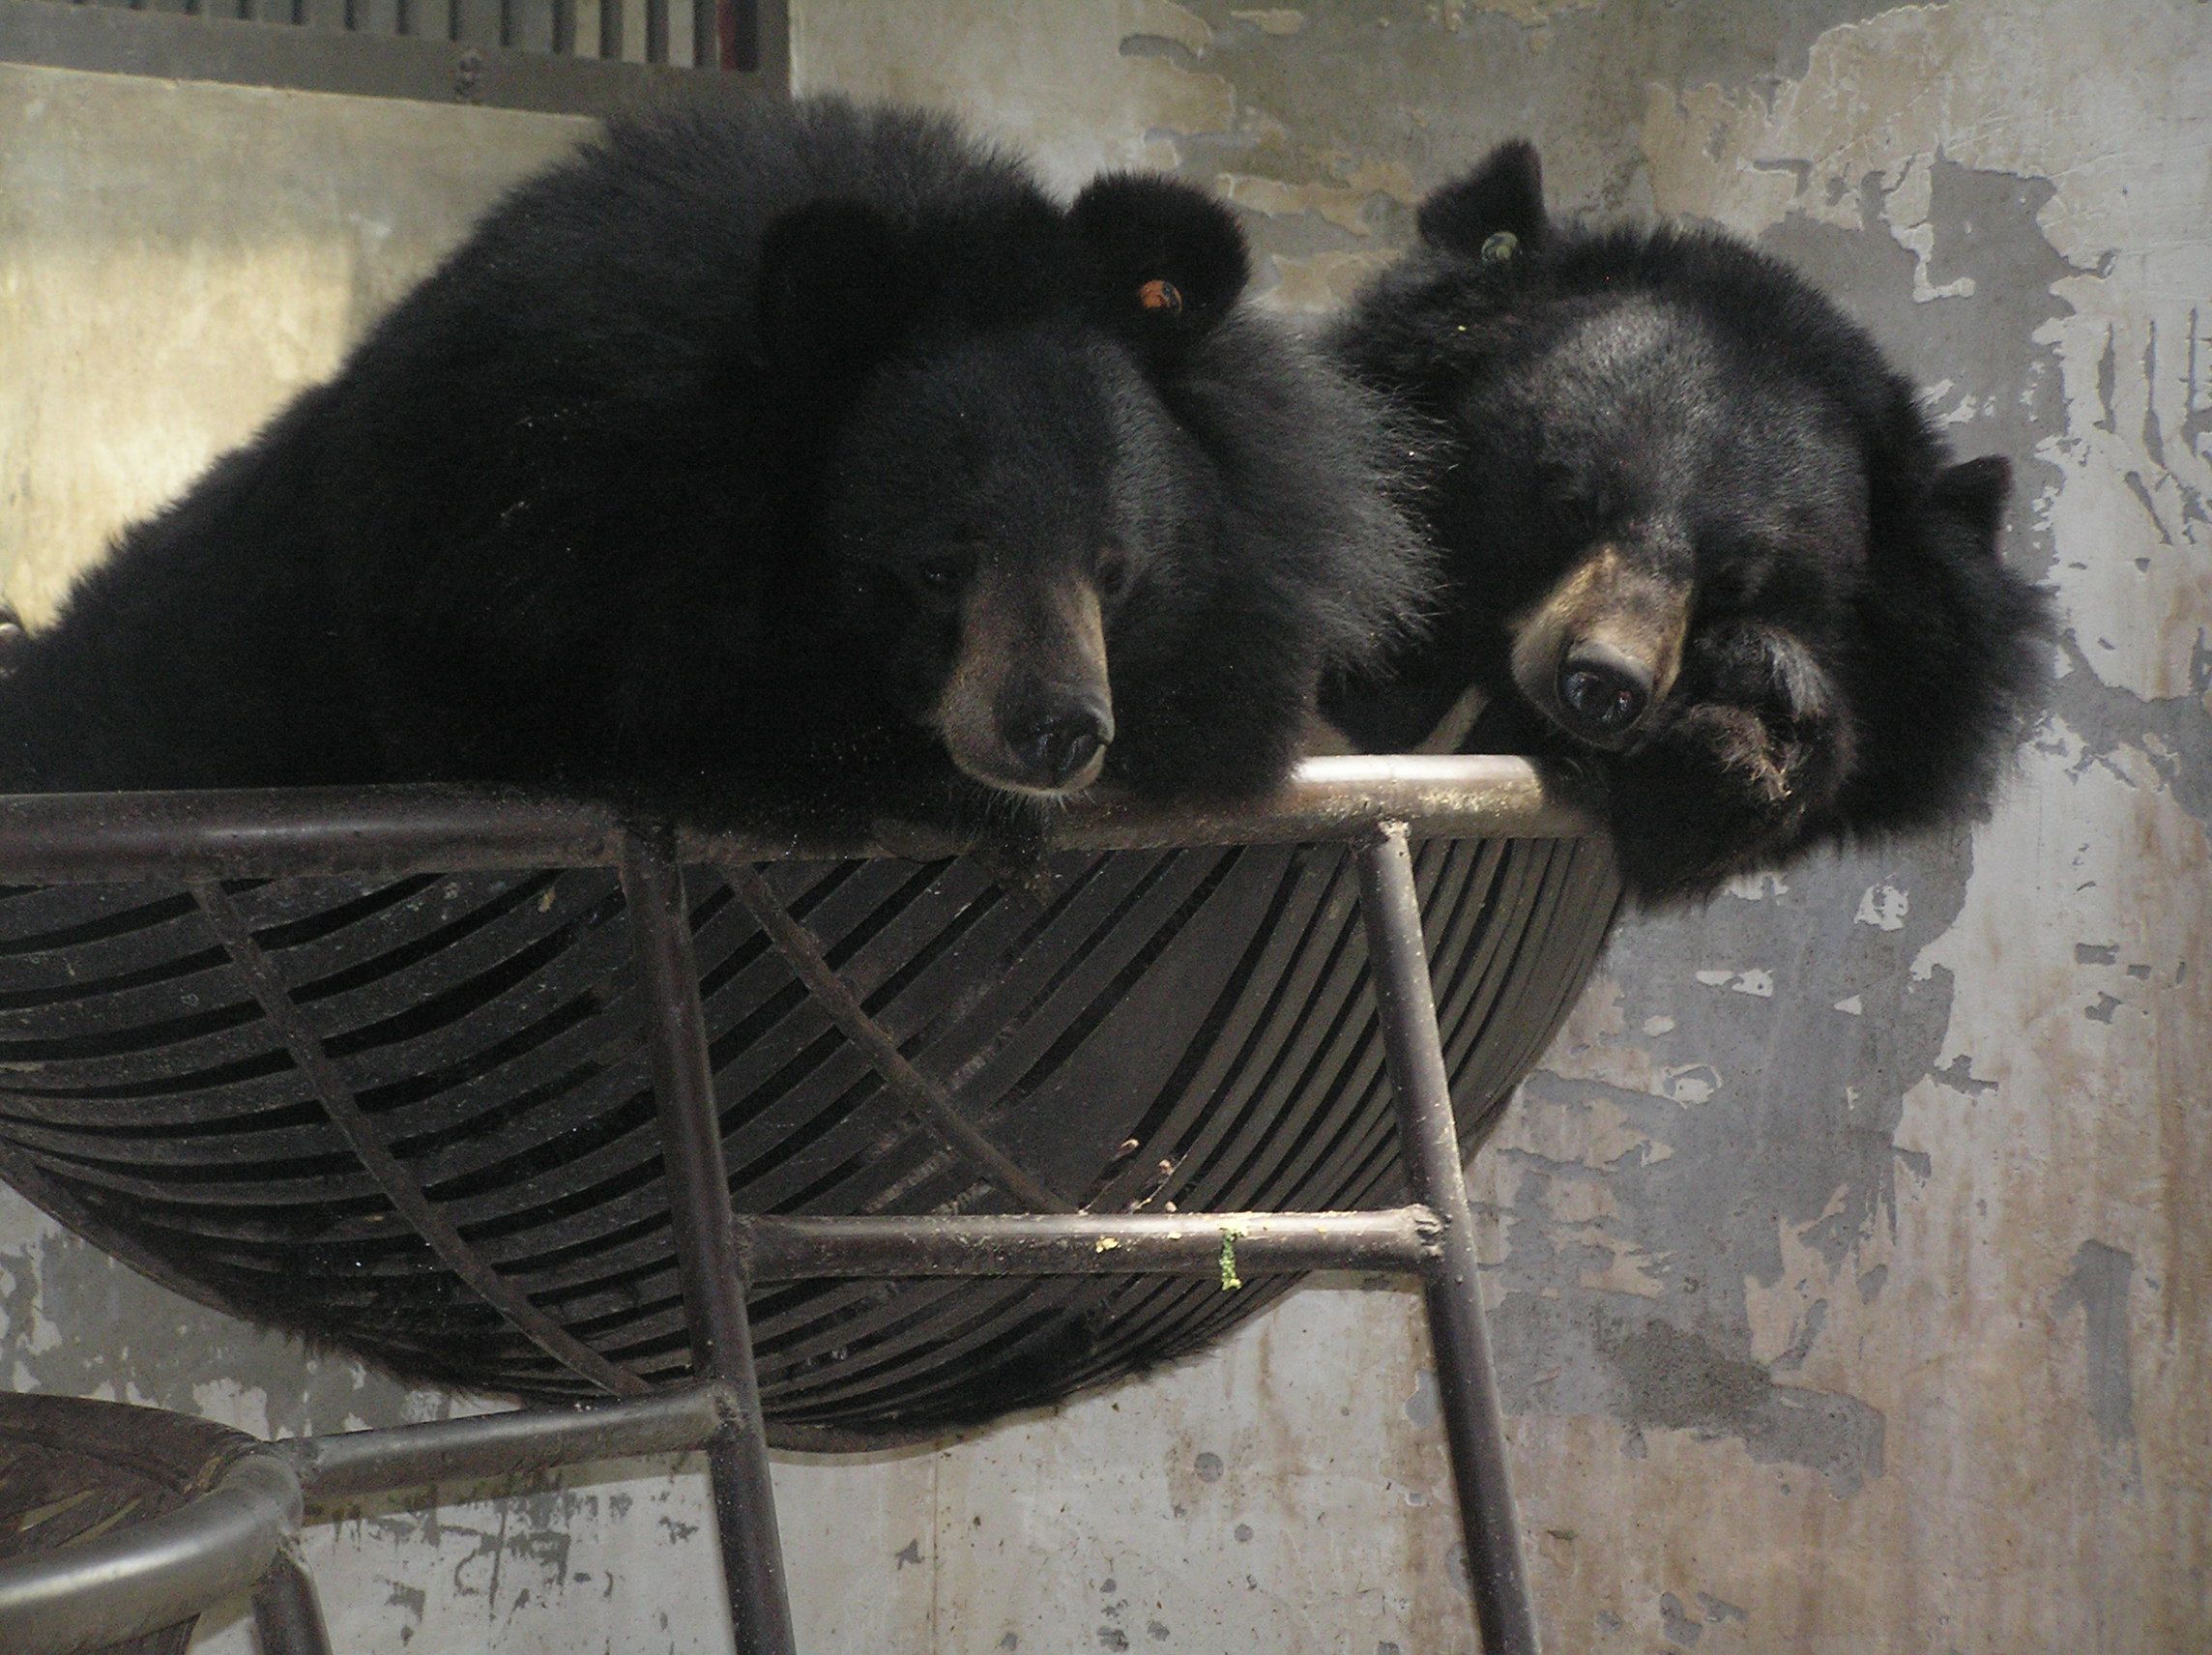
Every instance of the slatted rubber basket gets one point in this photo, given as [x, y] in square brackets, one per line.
[412, 1114]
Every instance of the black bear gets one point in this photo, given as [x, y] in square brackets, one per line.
[796, 464]
[1696, 532]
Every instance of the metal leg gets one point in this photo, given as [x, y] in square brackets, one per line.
[287, 1616]
[1474, 1427]
[707, 1246]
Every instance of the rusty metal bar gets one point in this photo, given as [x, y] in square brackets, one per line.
[293, 832]
[1475, 1427]
[57, 838]
[709, 1264]
[350, 1464]
[1438, 796]
[1127, 1244]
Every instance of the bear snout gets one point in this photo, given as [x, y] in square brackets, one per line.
[1604, 689]
[1039, 738]
[1062, 749]
[1601, 649]
[1028, 706]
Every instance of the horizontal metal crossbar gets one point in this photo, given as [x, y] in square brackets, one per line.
[275, 833]
[349, 1463]
[1400, 1238]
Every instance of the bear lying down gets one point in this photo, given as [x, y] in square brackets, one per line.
[785, 469]
[779, 467]
[1696, 532]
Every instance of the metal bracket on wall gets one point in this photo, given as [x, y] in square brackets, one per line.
[570, 57]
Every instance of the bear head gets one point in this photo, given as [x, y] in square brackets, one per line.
[1698, 533]
[1072, 511]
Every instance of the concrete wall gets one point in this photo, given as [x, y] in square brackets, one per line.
[1851, 1257]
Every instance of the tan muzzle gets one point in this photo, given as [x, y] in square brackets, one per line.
[1602, 647]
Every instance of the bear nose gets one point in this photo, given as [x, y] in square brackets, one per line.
[1604, 691]
[1057, 748]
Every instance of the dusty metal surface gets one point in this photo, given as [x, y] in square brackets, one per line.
[1852, 1259]
[307, 833]
[1198, 1243]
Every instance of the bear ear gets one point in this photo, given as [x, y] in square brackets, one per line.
[839, 287]
[1974, 493]
[1502, 197]
[1163, 262]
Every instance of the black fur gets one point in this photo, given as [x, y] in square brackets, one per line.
[672, 484]
[1859, 660]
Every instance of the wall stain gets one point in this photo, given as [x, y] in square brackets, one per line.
[1680, 1628]
[1675, 1381]
[2097, 1287]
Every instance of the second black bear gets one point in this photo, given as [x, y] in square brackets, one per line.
[784, 466]
[1697, 533]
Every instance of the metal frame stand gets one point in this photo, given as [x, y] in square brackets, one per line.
[1459, 1333]
[241, 1535]
[714, 1276]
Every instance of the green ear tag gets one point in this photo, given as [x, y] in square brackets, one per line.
[1501, 247]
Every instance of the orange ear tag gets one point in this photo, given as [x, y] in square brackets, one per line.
[1158, 294]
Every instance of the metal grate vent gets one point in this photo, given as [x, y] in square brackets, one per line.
[568, 56]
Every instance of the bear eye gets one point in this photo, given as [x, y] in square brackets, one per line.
[1113, 573]
[1161, 295]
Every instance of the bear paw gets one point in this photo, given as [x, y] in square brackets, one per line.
[1740, 776]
